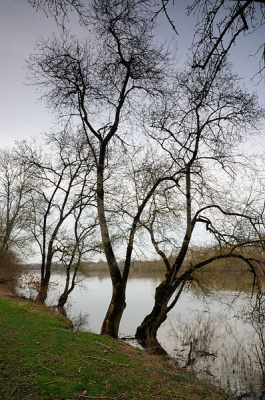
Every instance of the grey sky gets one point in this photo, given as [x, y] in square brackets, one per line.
[22, 115]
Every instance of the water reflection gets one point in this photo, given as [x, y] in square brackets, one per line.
[225, 346]
[220, 338]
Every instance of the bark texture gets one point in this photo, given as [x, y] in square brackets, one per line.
[113, 316]
[146, 333]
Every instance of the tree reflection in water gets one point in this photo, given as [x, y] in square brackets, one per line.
[225, 350]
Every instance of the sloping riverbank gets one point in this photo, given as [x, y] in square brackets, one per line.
[41, 358]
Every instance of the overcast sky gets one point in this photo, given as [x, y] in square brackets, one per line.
[22, 115]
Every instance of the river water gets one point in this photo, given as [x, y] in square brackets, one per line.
[214, 337]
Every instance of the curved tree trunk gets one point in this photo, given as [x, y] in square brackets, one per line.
[62, 300]
[64, 296]
[46, 267]
[117, 304]
[146, 333]
[113, 316]
[43, 291]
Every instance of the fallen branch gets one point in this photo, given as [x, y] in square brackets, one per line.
[108, 347]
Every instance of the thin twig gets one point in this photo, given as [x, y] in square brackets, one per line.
[108, 347]
[105, 359]
[99, 358]
[121, 396]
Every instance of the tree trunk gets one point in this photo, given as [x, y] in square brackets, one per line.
[64, 296]
[62, 311]
[44, 286]
[117, 305]
[146, 333]
[62, 299]
[42, 294]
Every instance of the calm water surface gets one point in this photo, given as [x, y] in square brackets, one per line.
[212, 337]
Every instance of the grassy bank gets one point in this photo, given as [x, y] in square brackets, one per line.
[40, 358]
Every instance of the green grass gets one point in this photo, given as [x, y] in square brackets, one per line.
[41, 358]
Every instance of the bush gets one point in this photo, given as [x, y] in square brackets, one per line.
[10, 267]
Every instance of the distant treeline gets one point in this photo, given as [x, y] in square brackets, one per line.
[226, 274]
[195, 255]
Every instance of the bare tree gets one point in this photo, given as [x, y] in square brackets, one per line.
[73, 251]
[60, 9]
[220, 24]
[197, 125]
[62, 175]
[15, 186]
[103, 84]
